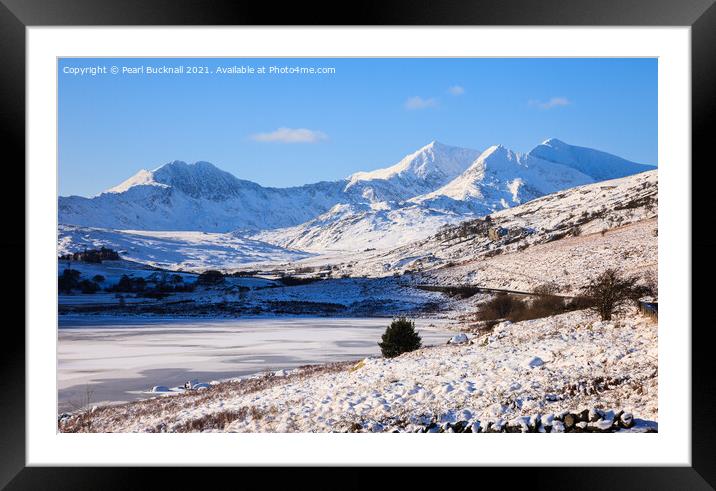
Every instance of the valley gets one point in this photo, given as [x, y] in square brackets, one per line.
[490, 253]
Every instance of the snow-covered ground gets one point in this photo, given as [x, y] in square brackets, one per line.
[353, 228]
[545, 366]
[175, 250]
[568, 264]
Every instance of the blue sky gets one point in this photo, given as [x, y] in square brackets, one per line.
[291, 129]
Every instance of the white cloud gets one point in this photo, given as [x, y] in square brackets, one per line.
[456, 90]
[553, 102]
[290, 135]
[418, 102]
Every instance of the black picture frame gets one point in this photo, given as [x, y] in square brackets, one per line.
[16, 15]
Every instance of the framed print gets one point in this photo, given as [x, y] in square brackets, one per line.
[256, 240]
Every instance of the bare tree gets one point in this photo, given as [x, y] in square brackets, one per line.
[610, 293]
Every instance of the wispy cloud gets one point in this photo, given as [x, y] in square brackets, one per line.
[551, 103]
[456, 90]
[290, 135]
[418, 102]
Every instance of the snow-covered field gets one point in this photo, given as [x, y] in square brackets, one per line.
[545, 366]
[120, 359]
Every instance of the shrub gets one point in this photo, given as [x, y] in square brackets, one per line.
[98, 278]
[87, 286]
[128, 285]
[92, 255]
[580, 302]
[185, 287]
[501, 306]
[124, 284]
[400, 337]
[210, 277]
[610, 293]
[155, 294]
[297, 281]
[544, 304]
[68, 280]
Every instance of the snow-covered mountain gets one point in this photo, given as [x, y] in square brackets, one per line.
[593, 209]
[595, 163]
[498, 179]
[359, 227]
[384, 208]
[199, 196]
[501, 178]
[421, 172]
[181, 196]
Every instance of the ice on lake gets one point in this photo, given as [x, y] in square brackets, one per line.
[118, 359]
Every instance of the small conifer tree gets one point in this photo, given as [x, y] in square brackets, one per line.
[400, 337]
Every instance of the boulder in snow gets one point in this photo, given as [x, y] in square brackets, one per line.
[458, 339]
[535, 362]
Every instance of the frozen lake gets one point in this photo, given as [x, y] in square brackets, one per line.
[119, 358]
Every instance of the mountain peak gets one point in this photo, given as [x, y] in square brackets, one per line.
[594, 163]
[553, 142]
[495, 149]
[181, 166]
[434, 144]
[434, 162]
[198, 180]
[493, 154]
[142, 178]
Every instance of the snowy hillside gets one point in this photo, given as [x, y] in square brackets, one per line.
[526, 374]
[355, 228]
[174, 250]
[584, 210]
[567, 264]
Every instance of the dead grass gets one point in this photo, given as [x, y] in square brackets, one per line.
[107, 419]
[506, 306]
[217, 421]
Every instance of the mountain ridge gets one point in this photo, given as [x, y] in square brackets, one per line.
[437, 180]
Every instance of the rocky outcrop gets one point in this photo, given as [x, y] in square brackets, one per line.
[586, 421]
